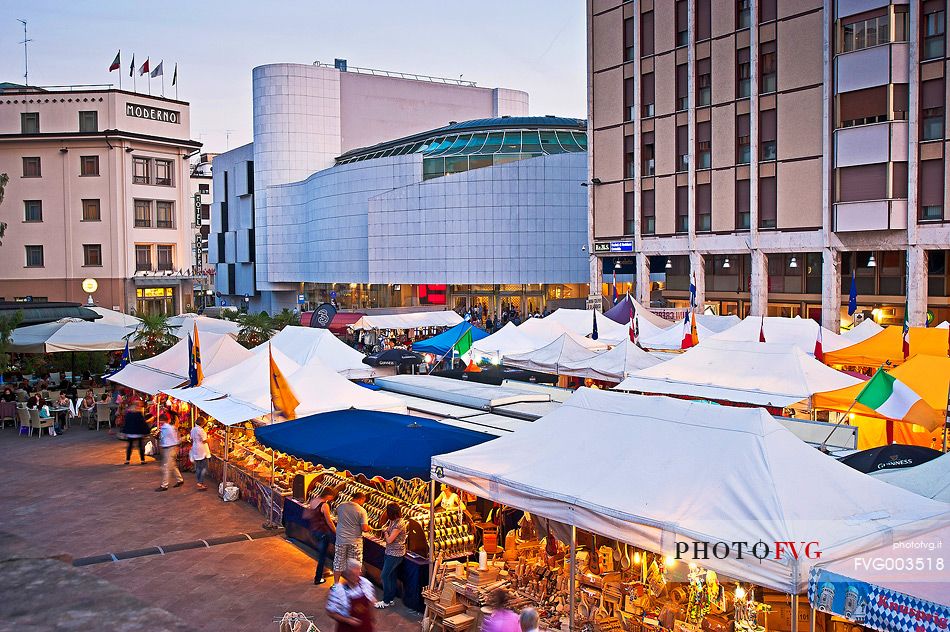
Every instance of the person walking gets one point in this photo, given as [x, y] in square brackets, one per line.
[502, 618]
[395, 533]
[168, 442]
[351, 523]
[322, 528]
[350, 603]
[135, 429]
[200, 453]
[529, 620]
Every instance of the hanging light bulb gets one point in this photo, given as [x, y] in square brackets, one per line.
[725, 263]
[740, 592]
[669, 263]
[617, 265]
[793, 263]
[871, 262]
[669, 561]
[636, 557]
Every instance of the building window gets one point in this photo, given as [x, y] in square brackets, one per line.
[648, 151]
[768, 202]
[864, 33]
[204, 189]
[932, 128]
[767, 134]
[165, 258]
[704, 81]
[932, 29]
[648, 94]
[647, 212]
[682, 148]
[34, 256]
[768, 68]
[682, 88]
[141, 170]
[864, 107]
[682, 23]
[704, 145]
[163, 172]
[682, 209]
[932, 101]
[89, 121]
[629, 41]
[629, 212]
[143, 258]
[743, 146]
[703, 208]
[743, 205]
[901, 23]
[743, 74]
[31, 167]
[91, 211]
[743, 14]
[703, 19]
[89, 165]
[646, 33]
[629, 85]
[630, 154]
[32, 210]
[92, 255]
[30, 123]
[164, 215]
[768, 10]
[143, 214]
[931, 189]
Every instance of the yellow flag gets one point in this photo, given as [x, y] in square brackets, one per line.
[196, 358]
[285, 402]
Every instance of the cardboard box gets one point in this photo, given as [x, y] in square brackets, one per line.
[780, 617]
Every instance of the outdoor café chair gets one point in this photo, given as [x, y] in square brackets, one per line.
[40, 422]
[23, 415]
[103, 415]
[7, 413]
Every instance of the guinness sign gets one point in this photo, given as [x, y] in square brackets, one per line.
[152, 114]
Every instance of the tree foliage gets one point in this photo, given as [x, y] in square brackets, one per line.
[255, 329]
[153, 335]
[7, 325]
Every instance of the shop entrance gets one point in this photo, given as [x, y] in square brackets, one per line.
[155, 301]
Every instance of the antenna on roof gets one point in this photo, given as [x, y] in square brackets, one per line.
[26, 58]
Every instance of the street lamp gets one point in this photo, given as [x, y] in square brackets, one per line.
[247, 302]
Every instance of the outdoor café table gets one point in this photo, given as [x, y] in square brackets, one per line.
[56, 410]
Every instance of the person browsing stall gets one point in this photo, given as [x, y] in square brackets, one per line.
[322, 528]
[200, 453]
[395, 533]
[351, 523]
[168, 441]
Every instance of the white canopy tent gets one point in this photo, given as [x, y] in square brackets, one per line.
[717, 324]
[184, 324]
[930, 479]
[507, 340]
[862, 331]
[801, 332]
[670, 338]
[551, 357]
[413, 320]
[169, 369]
[112, 317]
[581, 322]
[305, 344]
[69, 334]
[654, 471]
[544, 331]
[611, 366]
[763, 374]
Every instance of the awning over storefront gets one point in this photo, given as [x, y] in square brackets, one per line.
[887, 347]
[342, 320]
[764, 374]
[412, 320]
[441, 344]
[654, 471]
[369, 443]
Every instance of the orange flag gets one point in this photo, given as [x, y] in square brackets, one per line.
[284, 400]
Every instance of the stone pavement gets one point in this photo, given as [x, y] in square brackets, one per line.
[70, 496]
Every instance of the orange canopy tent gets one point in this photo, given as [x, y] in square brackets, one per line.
[887, 346]
[926, 375]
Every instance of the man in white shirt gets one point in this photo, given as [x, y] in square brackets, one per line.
[168, 442]
[351, 523]
[350, 602]
[200, 453]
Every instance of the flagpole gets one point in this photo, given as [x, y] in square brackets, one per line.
[175, 80]
[848, 412]
[946, 420]
[451, 349]
[120, 69]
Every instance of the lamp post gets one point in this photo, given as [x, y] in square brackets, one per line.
[247, 302]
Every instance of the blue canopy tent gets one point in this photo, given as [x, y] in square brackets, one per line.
[368, 442]
[440, 345]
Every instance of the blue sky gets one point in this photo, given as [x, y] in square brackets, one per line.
[533, 45]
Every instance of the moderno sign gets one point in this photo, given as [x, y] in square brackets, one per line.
[152, 114]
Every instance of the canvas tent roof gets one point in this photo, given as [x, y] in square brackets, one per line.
[509, 339]
[169, 369]
[801, 332]
[764, 374]
[552, 356]
[887, 346]
[184, 324]
[699, 472]
[69, 334]
[441, 344]
[305, 344]
[581, 322]
[412, 320]
[862, 331]
[112, 317]
[621, 313]
[613, 365]
[928, 376]
[930, 479]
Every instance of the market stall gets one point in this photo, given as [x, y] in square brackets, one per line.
[694, 475]
[112, 317]
[581, 323]
[441, 344]
[886, 347]
[552, 356]
[801, 332]
[762, 374]
[305, 344]
[508, 340]
[862, 331]
[184, 324]
[621, 313]
[611, 366]
[930, 479]
[409, 320]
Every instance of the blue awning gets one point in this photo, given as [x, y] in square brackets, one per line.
[440, 345]
[369, 443]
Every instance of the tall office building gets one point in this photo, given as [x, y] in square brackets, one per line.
[769, 150]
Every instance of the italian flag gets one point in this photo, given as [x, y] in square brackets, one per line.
[464, 344]
[891, 398]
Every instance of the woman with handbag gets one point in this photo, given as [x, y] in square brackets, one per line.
[322, 528]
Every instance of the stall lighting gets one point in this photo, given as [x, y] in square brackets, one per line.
[617, 265]
[725, 264]
[793, 263]
[636, 557]
[692, 566]
[669, 561]
[669, 263]
[871, 262]
[740, 592]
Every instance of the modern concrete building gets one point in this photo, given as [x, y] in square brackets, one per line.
[769, 150]
[489, 212]
[98, 188]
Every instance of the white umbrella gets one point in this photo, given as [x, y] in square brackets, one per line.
[112, 317]
[69, 334]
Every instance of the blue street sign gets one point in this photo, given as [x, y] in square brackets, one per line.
[333, 294]
[301, 298]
